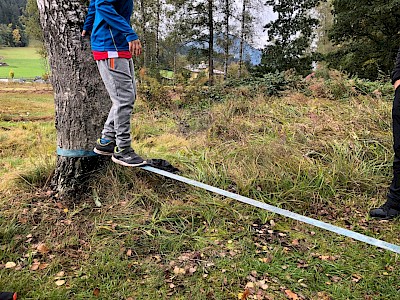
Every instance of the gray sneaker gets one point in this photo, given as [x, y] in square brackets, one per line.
[127, 157]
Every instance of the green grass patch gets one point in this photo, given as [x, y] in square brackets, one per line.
[142, 236]
[24, 61]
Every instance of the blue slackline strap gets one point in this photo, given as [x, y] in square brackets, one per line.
[280, 211]
[75, 153]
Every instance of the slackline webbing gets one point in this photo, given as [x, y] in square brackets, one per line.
[75, 153]
[280, 211]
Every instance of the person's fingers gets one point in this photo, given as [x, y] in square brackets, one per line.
[137, 48]
[131, 49]
[83, 32]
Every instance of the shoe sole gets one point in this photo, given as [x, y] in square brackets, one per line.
[122, 163]
[384, 218]
[102, 152]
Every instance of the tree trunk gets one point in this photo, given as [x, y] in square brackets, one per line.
[158, 17]
[210, 43]
[81, 101]
[226, 58]
[242, 35]
[144, 38]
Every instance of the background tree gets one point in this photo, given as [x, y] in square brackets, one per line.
[367, 36]
[228, 12]
[11, 10]
[325, 17]
[196, 26]
[290, 35]
[12, 30]
[80, 98]
[246, 30]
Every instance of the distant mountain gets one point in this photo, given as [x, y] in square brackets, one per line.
[250, 54]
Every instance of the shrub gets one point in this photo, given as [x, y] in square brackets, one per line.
[154, 94]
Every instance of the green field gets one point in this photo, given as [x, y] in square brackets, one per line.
[322, 149]
[25, 62]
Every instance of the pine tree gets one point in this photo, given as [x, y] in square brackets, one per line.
[291, 35]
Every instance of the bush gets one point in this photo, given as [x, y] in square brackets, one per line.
[154, 94]
[270, 84]
[337, 85]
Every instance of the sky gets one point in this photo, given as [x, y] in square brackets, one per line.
[263, 14]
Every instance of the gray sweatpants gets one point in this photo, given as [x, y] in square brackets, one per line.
[119, 78]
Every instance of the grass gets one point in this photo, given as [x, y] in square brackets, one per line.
[153, 238]
[24, 61]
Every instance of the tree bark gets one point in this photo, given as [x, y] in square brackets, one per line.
[211, 43]
[158, 20]
[144, 29]
[226, 57]
[242, 36]
[81, 101]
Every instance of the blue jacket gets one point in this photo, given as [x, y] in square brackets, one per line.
[109, 22]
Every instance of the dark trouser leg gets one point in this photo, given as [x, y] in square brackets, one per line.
[394, 189]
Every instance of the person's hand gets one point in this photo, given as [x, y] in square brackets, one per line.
[83, 33]
[396, 84]
[135, 47]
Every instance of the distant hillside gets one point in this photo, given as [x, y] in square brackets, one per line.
[250, 54]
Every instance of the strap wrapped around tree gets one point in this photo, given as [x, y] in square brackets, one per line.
[81, 101]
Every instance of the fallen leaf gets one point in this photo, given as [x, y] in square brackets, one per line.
[129, 252]
[178, 271]
[43, 249]
[295, 242]
[356, 278]
[291, 295]
[264, 286]
[96, 292]
[60, 274]
[265, 259]
[10, 265]
[60, 282]
[43, 266]
[250, 285]
[35, 266]
[192, 270]
[244, 295]
[323, 296]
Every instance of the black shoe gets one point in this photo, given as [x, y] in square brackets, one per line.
[8, 296]
[127, 157]
[387, 211]
[104, 147]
